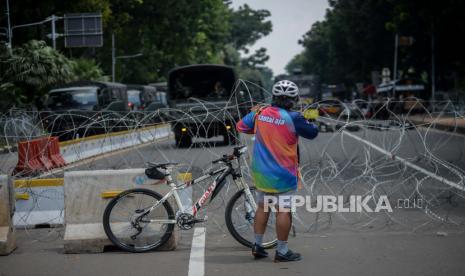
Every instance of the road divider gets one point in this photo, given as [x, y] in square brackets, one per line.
[87, 194]
[7, 231]
[43, 154]
[39, 202]
[83, 148]
[450, 124]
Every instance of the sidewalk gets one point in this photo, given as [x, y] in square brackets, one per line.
[446, 123]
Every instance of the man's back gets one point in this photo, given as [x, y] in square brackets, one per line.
[275, 160]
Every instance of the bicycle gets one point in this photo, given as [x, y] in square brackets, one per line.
[149, 219]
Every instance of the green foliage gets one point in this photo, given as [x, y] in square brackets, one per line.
[357, 37]
[258, 58]
[32, 69]
[350, 43]
[168, 33]
[10, 95]
[37, 65]
[248, 26]
[87, 69]
[296, 63]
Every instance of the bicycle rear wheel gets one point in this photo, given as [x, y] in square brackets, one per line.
[240, 217]
[129, 230]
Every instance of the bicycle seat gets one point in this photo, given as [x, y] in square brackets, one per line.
[161, 165]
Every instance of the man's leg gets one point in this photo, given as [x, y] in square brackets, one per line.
[261, 220]
[283, 226]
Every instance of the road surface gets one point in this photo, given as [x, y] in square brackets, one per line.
[405, 242]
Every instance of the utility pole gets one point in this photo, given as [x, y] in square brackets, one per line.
[394, 75]
[54, 36]
[433, 70]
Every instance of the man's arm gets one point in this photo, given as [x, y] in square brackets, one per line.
[246, 125]
[303, 127]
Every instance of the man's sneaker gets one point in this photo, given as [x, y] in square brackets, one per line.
[259, 252]
[288, 257]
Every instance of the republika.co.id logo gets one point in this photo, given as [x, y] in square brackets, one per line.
[331, 203]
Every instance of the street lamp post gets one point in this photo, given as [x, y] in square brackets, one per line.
[53, 35]
[114, 57]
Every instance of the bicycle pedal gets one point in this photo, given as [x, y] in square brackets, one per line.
[201, 220]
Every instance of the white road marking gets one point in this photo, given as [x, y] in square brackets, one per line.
[197, 258]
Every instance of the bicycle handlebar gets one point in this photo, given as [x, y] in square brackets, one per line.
[238, 151]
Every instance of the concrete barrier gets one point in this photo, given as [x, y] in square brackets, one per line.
[39, 202]
[7, 231]
[83, 148]
[84, 206]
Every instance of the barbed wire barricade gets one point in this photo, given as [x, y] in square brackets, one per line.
[405, 150]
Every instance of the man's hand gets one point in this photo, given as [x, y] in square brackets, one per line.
[311, 114]
[257, 107]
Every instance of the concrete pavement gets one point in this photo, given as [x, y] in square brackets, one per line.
[40, 252]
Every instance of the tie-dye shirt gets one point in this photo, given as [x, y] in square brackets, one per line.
[275, 157]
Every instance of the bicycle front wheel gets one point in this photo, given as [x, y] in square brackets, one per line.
[240, 216]
[130, 227]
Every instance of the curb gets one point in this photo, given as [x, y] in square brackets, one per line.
[439, 126]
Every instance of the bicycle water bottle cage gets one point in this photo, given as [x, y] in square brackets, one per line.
[154, 173]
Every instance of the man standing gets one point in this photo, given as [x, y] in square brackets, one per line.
[275, 162]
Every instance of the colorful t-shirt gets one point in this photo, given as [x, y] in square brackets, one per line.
[275, 157]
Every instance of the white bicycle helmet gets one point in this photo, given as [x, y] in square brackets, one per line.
[285, 88]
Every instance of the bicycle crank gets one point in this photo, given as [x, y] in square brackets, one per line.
[186, 221]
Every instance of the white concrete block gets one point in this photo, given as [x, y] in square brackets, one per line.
[84, 205]
[7, 231]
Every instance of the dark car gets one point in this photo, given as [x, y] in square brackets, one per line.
[85, 108]
[141, 96]
[161, 100]
[202, 102]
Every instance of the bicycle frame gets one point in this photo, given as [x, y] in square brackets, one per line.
[225, 171]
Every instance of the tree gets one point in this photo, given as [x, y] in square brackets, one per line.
[259, 58]
[296, 63]
[248, 26]
[87, 69]
[168, 34]
[350, 43]
[33, 68]
[357, 37]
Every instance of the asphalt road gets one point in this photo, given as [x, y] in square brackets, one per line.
[405, 242]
